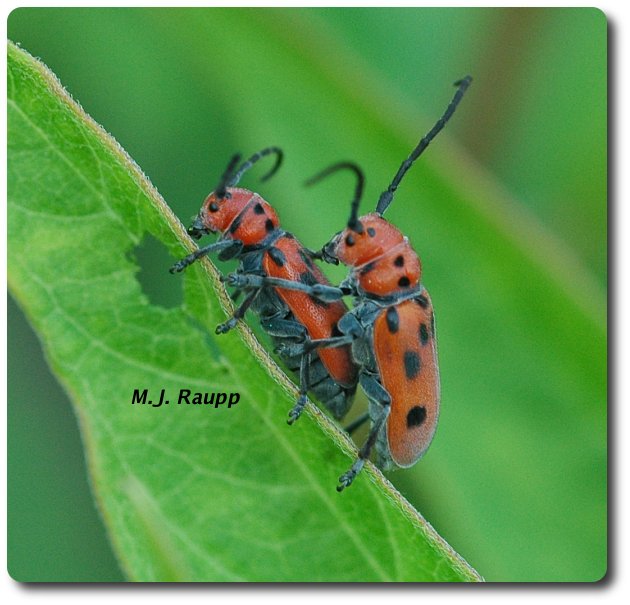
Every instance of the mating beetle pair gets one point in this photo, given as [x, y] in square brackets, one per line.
[386, 342]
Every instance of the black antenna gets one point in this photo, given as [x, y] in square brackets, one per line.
[220, 191]
[353, 221]
[258, 156]
[388, 195]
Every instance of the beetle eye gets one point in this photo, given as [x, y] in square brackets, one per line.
[350, 240]
[213, 207]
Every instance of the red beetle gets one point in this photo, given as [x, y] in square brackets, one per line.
[391, 328]
[292, 297]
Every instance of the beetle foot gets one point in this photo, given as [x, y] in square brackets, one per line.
[226, 327]
[347, 478]
[297, 409]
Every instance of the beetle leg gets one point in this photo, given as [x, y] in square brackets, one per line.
[297, 409]
[350, 325]
[321, 255]
[243, 280]
[329, 343]
[291, 349]
[364, 453]
[320, 291]
[284, 328]
[374, 389]
[377, 393]
[197, 254]
[355, 424]
[238, 314]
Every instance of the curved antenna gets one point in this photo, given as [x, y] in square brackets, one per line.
[353, 221]
[388, 195]
[220, 190]
[258, 156]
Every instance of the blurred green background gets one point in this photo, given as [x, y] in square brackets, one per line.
[516, 478]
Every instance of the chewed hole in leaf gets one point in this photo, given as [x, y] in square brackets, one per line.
[153, 259]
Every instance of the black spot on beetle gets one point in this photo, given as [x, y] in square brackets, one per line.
[306, 257]
[236, 223]
[404, 282]
[392, 320]
[371, 231]
[422, 301]
[213, 207]
[258, 208]
[412, 364]
[350, 240]
[400, 261]
[416, 416]
[277, 256]
[369, 267]
[269, 225]
[424, 334]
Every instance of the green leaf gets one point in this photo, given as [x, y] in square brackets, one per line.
[187, 493]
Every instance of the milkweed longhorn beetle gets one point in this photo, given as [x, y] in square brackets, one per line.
[391, 328]
[281, 284]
